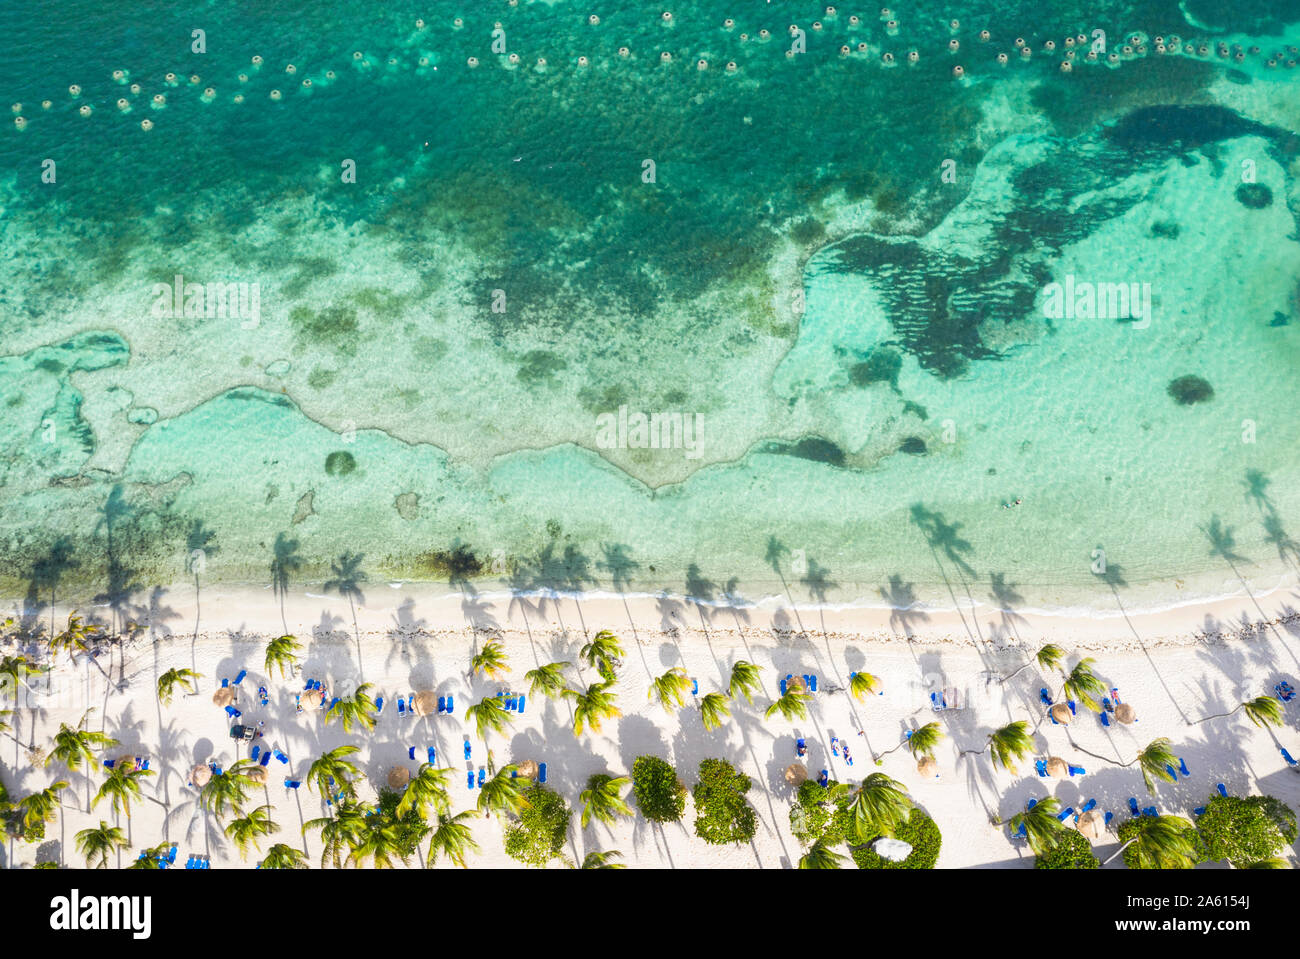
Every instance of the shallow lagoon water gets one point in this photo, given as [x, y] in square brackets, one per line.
[863, 342]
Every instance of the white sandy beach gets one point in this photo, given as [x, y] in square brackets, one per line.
[1173, 666]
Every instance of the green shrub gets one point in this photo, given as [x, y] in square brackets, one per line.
[1072, 851]
[659, 794]
[821, 813]
[722, 814]
[538, 836]
[920, 832]
[46, 865]
[1239, 830]
[409, 829]
[1283, 816]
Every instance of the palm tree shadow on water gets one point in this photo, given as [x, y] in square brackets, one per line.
[347, 577]
[47, 572]
[942, 537]
[285, 562]
[199, 548]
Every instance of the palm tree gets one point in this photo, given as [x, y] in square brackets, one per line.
[76, 637]
[1165, 842]
[1084, 686]
[862, 685]
[427, 790]
[452, 838]
[1006, 745]
[922, 742]
[1155, 762]
[592, 707]
[73, 746]
[39, 807]
[714, 710]
[1272, 863]
[333, 766]
[879, 807]
[121, 787]
[344, 831]
[357, 708]
[168, 681]
[603, 799]
[502, 793]
[603, 653]
[1048, 658]
[100, 842]
[380, 844]
[602, 860]
[491, 661]
[1042, 828]
[249, 828]
[793, 704]
[547, 680]
[489, 715]
[282, 856]
[227, 790]
[670, 688]
[282, 653]
[14, 668]
[820, 856]
[1262, 711]
[152, 858]
[348, 577]
[744, 680]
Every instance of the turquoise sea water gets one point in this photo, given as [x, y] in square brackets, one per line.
[834, 267]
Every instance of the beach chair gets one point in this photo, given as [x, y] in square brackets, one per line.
[1052, 718]
[282, 757]
[541, 772]
[292, 783]
[1065, 813]
[1173, 773]
[824, 778]
[783, 687]
[1133, 806]
[233, 713]
[1042, 694]
[1105, 719]
[800, 747]
[1223, 790]
[189, 863]
[216, 770]
[1041, 766]
[1077, 770]
[1106, 705]
[110, 763]
[695, 686]
[469, 779]
[334, 702]
[401, 707]
[266, 759]
[451, 704]
[521, 702]
[257, 751]
[511, 703]
[171, 855]
[1109, 816]
[1182, 766]
[433, 756]
[835, 743]
[1089, 806]
[1114, 694]
[1150, 811]
[482, 776]
[225, 683]
[467, 747]
[240, 678]
[1070, 703]
[410, 752]
[442, 704]
[812, 684]
[1198, 811]
[936, 702]
[1287, 756]
[379, 705]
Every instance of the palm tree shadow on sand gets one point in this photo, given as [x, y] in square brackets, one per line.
[285, 562]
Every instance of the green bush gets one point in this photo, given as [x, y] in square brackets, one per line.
[821, 813]
[538, 836]
[1239, 830]
[1283, 816]
[409, 829]
[1072, 851]
[722, 814]
[46, 865]
[659, 794]
[920, 832]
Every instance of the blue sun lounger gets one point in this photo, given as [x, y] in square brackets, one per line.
[266, 759]
[1173, 773]
[783, 687]
[171, 855]
[1105, 719]
[1109, 817]
[401, 706]
[1223, 790]
[233, 713]
[467, 748]
[262, 695]
[292, 783]
[521, 702]
[1133, 806]
[1073, 711]
[433, 756]
[800, 747]
[1182, 766]
[110, 763]
[225, 683]
[1041, 766]
[240, 678]
[216, 770]
[442, 704]
[451, 704]
[282, 757]
[469, 778]
[1065, 813]
[1287, 756]
[1042, 694]
[482, 776]
[695, 686]
[812, 684]
[1150, 811]
[336, 701]
[1076, 770]
[410, 752]
[541, 772]
[1089, 806]
[824, 778]
[257, 751]
[379, 705]
[1198, 811]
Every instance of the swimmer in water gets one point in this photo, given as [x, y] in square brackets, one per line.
[1009, 505]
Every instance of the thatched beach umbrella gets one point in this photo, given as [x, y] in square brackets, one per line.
[1125, 714]
[398, 777]
[927, 766]
[311, 698]
[257, 774]
[794, 684]
[1057, 767]
[200, 775]
[526, 768]
[1061, 713]
[426, 702]
[796, 773]
[1092, 823]
[224, 696]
